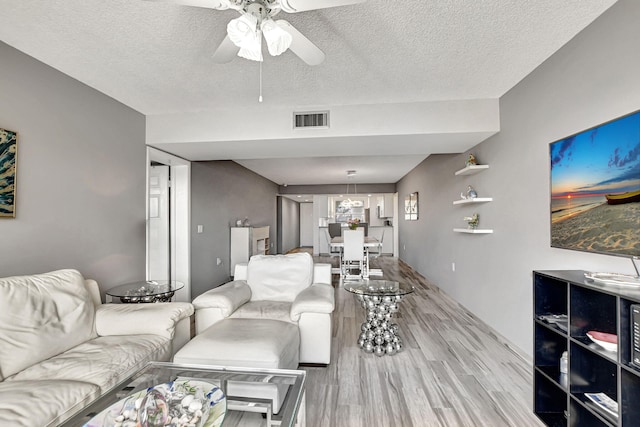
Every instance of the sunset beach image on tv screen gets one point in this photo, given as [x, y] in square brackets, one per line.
[595, 189]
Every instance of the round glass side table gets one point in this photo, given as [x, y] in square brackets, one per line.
[146, 291]
[380, 300]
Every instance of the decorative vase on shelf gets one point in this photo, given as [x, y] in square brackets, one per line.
[472, 221]
[471, 193]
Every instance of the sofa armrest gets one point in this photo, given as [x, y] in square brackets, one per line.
[317, 298]
[227, 297]
[133, 319]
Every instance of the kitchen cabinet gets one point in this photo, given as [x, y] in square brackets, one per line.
[385, 206]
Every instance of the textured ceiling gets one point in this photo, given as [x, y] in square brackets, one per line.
[157, 57]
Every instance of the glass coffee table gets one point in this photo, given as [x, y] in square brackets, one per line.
[380, 300]
[146, 291]
[236, 411]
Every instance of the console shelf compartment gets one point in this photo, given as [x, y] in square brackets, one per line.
[566, 307]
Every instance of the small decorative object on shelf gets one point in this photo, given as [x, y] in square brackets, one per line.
[472, 221]
[353, 223]
[246, 222]
[471, 193]
[471, 160]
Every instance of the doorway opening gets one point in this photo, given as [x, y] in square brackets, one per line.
[168, 220]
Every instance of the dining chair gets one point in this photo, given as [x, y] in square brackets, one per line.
[333, 251]
[335, 229]
[376, 251]
[365, 227]
[353, 252]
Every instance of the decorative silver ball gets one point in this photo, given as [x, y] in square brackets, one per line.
[368, 347]
[365, 326]
[390, 349]
[387, 336]
[375, 299]
[361, 342]
[398, 298]
[378, 340]
[370, 335]
[378, 350]
[387, 299]
[380, 316]
[387, 316]
[374, 323]
[363, 335]
[384, 325]
[383, 309]
[379, 331]
[370, 304]
[399, 346]
[393, 308]
[371, 315]
[395, 339]
[394, 328]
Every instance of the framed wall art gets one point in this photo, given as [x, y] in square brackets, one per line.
[411, 207]
[8, 155]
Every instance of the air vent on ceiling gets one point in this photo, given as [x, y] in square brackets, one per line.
[311, 120]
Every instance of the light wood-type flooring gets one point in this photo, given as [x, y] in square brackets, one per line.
[453, 371]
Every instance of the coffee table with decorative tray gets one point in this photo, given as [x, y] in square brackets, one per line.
[196, 393]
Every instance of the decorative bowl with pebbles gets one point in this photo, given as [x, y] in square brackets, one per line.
[180, 403]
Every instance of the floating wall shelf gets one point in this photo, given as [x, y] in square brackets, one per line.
[474, 200]
[472, 231]
[472, 169]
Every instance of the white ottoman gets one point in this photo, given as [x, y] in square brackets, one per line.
[249, 343]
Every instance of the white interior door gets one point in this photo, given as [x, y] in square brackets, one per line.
[306, 224]
[159, 245]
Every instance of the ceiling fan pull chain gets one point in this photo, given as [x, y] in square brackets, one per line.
[260, 97]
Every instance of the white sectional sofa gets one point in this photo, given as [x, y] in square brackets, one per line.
[61, 348]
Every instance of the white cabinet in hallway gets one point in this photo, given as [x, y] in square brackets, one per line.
[247, 241]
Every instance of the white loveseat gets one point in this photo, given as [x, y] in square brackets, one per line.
[289, 288]
[61, 348]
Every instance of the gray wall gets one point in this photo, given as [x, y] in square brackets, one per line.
[289, 225]
[221, 193]
[80, 176]
[593, 79]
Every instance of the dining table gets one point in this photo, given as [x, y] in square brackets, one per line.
[369, 242]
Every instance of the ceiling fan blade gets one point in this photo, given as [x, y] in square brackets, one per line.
[225, 52]
[209, 4]
[293, 6]
[302, 46]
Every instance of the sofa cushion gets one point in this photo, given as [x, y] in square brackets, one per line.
[279, 277]
[42, 315]
[43, 403]
[244, 343]
[274, 310]
[103, 361]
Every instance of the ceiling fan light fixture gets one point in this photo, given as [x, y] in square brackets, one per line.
[243, 32]
[278, 40]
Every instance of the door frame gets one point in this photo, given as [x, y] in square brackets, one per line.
[180, 218]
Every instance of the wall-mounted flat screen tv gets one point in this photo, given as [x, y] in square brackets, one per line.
[595, 189]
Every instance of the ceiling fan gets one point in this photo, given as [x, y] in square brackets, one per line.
[244, 34]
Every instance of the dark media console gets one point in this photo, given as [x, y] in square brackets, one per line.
[566, 306]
